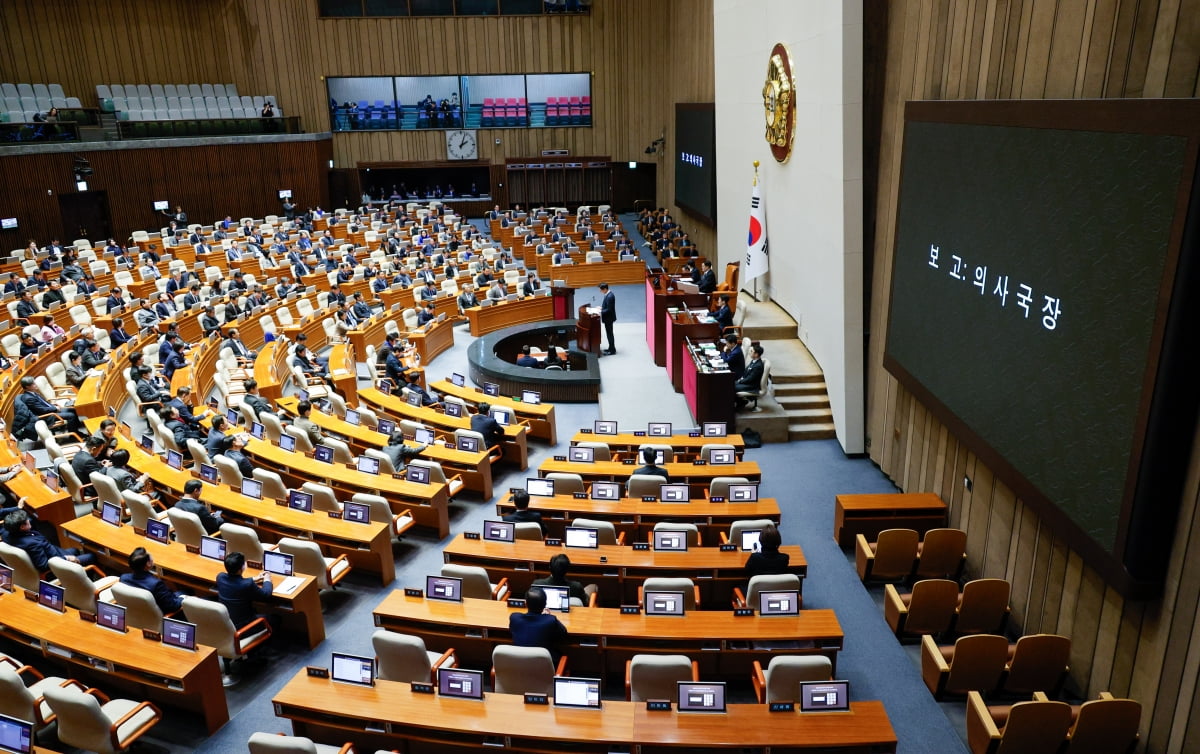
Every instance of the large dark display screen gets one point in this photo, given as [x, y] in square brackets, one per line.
[696, 160]
[1034, 267]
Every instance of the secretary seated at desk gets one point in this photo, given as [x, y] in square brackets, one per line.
[526, 358]
[536, 627]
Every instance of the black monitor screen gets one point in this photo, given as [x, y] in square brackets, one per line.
[1037, 307]
[467, 684]
[177, 633]
[701, 697]
[6, 575]
[323, 453]
[443, 588]
[359, 513]
[159, 531]
[301, 501]
[824, 696]
[576, 692]
[696, 159]
[52, 596]
[110, 616]
[353, 669]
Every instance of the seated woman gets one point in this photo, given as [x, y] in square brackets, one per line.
[767, 559]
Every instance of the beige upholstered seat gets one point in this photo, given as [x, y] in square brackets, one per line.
[270, 743]
[476, 583]
[215, 629]
[81, 592]
[606, 532]
[656, 676]
[784, 674]
[889, 558]
[687, 587]
[524, 670]
[307, 559]
[92, 722]
[402, 657]
[141, 611]
[187, 526]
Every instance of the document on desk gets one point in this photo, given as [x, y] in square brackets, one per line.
[289, 585]
[594, 310]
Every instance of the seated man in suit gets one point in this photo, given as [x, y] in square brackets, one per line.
[751, 378]
[238, 593]
[522, 514]
[723, 315]
[708, 278]
[426, 314]
[141, 575]
[650, 457]
[731, 354]
[483, 423]
[526, 360]
[216, 436]
[559, 565]
[19, 533]
[255, 401]
[190, 503]
[87, 461]
[234, 450]
[428, 397]
[536, 627]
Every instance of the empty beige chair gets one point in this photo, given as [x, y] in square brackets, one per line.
[141, 509]
[308, 559]
[566, 484]
[927, 609]
[737, 527]
[1036, 727]
[454, 484]
[983, 607]
[719, 486]
[26, 702]
[889, 558]
[187, 526]
[606, 533]
[229, 471]
[644, 485]
[25, 575]
[600, 450]
[272, 427]
[215, 629]
[385, 463]
[693, 531]
[323, 497]
[337, 405]
[245, 540]
[657, 676]
[974, 663]
[941, 554]
[341, 451]
[198, 452]
[81, 592]
[92, 722]
[495, 452]
[528, 530]
[1038, 662]
[141, 611]
[381, 512]
[765, 582]
[273, 487]
[403, 658]
[271, 743]
[524, 670]
[687, 587]
[1104, 726]
[476, 584]
[780, 682]
[303, 444]
[706, 450]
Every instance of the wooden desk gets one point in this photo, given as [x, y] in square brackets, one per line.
[709, 393]
[658, 300]
[680, 328]
[389, 716]
[475, 468]
[602, 639]
[486, 319]
[540, 416]
[636, 518]
[590, 275]
[428, 503]
[191, 680]
[627, 442]
[53, 507]
[516, 436]
[697, 477]
[872, 513]
[300, 610]
[438, 338]
[618, 570]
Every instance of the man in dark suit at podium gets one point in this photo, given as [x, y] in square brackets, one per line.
[608, 315]
[708, 278]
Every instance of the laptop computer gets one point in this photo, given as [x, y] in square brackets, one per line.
[413, 399]
[179, 633]
[159, 531]
[418, 474]
[352, 417]
[824, 696]
[674, 493]
[458, 380]
[110, 616]
[742, 493]
[146, 443]
[670, 541]
[211, 547]
[532, 397]
[110, 513]
[16, 736]
[288, 443]
[386, 427]
[701, 697]
[424, 436]
[606, 490]
[6, 577]
[577, 692]
[539, 487]
[301, 501]
[499, 531]
[603, 427]
[257, 430]
[359, 513]
[252, 488]
[722, 457]
[277, 562]
[323, 453]
[783, 602]
[347, 668]
[469, 444]
[52, 596]
[458, 682]
[367, 464]
[750, 539]
[501, 417]
[581, 455]
[231, 416]
[209, 473]
[578, 536]
[492, 389]
[453, 409]
[557, 597]
[175, 459]
[713, 429]
[663, 603]
[443, 588]
[658, 429]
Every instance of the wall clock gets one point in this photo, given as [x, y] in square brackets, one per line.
[462, 145]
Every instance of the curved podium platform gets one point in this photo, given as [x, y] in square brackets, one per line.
[492, 358]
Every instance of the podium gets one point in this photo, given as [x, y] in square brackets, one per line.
[587, 331]
[564, 301]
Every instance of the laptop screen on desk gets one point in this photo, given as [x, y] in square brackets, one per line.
[557, 597]
[743, 493]
[252, 488]
[606, 490]
[323, 453]
[722, 457]
[368, 465]
[288, 443]
[601, 427]
[674, 493]
[540, 487]
[277, 562]
[824, 696]
[211, 547]
[352, 417]
[532, 397]
[424, 436]
[413, 399]
[301, 501]
[110, 616]
[659, 429]
[231, 416]
[6, 574]
[257, 430]
[52, 596]
[469, 444]
[501, 417]
[750, 539]
[159, 531]
[110, 514]
[491, 388]
[664, 603]
[499, 531]
[701, 697]
[784, 602]
[209, 473]
[16, 736]
[418, 474]
[174, 459]
[713, 429]
[443, 588]
[178, 633]
[670, 540]
[581, 455]
[467, 684]
[576, 692]
[147, 443]
[353, 669]
[577, 536]
[458, 380]
[386, 426]
[453, 409]
[359, 513]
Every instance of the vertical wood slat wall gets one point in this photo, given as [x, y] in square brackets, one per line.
[644, 57]
[1036, 49]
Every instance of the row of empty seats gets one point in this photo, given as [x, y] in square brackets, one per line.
[35, 97]
[180, 102]
[104, 91]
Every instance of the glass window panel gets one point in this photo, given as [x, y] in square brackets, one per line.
[341, 8]
[476, 7]
[386, 7]
[432, 7]
[520, 7]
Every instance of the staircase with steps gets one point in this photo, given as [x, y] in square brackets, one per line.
[799, 408]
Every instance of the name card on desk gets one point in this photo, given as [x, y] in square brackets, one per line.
[717, 499]
[151, 635]
[193, 549]
[537, 699]
[631, 609]
[639, 433]
[658, 705]
[560, 458]
[585, 431]
[649, 499]
[579, 495]
[422, 688]
[334, 514]
[743, 612]
[255, 564]
[411, 592]
[470, 535]
[699, 462]
[87, 617]
[553, 542]
[782, 707]
[641, 545]
[316, 672]
[516, 602]
[693, 434]
[629, 461]
[729, 548]
[282, 503]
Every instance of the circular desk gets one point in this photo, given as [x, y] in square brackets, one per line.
[492, 358]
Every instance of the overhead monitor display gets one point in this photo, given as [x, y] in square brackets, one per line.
[696, 159]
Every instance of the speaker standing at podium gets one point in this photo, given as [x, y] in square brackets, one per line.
[608, 315]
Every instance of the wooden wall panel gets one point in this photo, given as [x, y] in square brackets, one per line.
[951, 49]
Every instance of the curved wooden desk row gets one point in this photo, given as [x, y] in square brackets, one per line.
[300, 610]
[539, 416]
[589, 275]
[50, 505]
[602, 639]
[427, 342]
[697, 477]
[636, 519]
[191, 680]
[389, 716]
[628, 442]
[485, 319]
[515, 445]
[367, 546]
[618, 570]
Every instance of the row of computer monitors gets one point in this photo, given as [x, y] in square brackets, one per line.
[692, 696]
[663, 540]
[667, 492]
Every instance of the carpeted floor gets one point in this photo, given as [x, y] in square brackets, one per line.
[803, 476]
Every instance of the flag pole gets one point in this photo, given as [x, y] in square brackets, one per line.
[755, 292]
